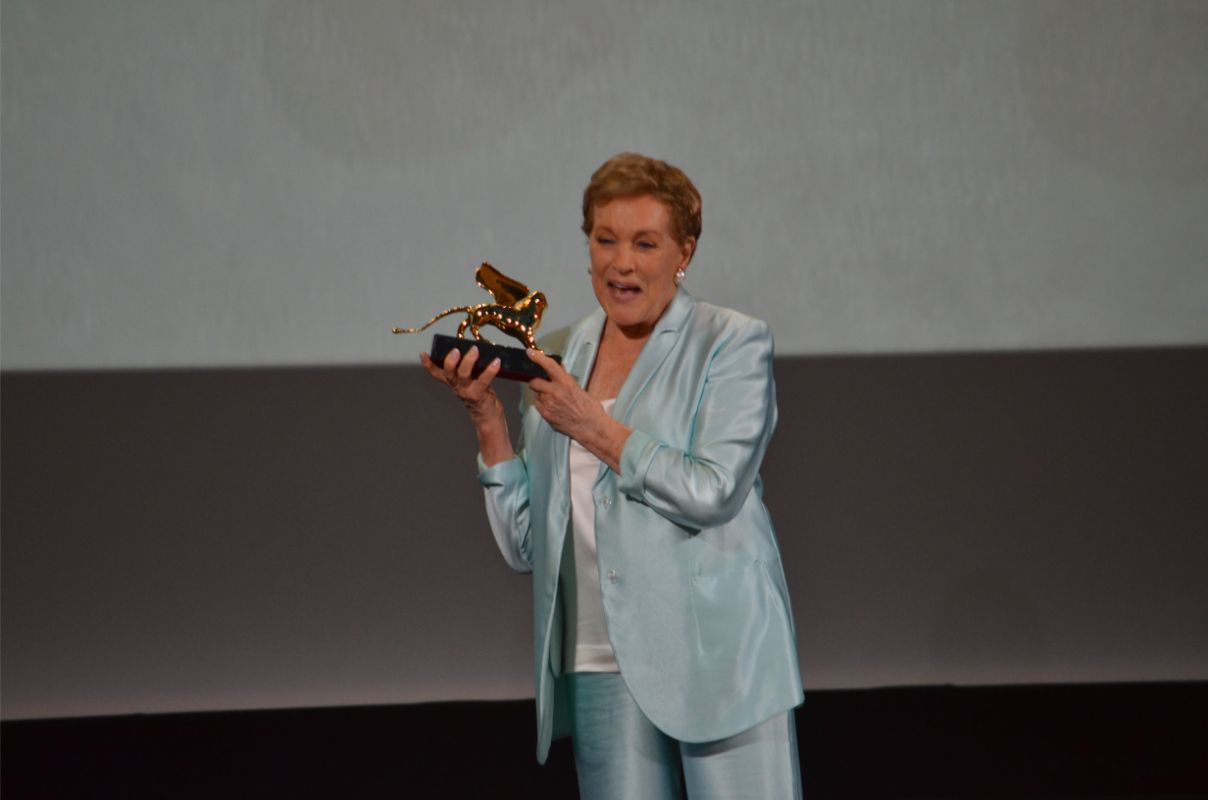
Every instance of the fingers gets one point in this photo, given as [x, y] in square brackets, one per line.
[458, 372]
[551, 367]
[465, 369]
[476, 394]
[451, 368]
[488, 374]
[446, 371]
[431, 368]
[450, 363]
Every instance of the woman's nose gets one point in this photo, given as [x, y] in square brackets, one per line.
[623, 259]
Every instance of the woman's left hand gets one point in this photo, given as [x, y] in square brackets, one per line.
[572, 411]
[561, 401]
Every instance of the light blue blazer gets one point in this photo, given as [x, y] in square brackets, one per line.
[694, 594]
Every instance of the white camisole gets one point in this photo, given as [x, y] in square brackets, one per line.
[586, 647]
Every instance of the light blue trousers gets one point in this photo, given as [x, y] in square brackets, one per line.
[620, 755]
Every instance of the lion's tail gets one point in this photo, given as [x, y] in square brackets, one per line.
[429, 323]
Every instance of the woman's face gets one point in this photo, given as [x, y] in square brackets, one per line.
[634, 257]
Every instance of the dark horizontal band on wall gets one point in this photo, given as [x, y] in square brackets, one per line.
[190, 540]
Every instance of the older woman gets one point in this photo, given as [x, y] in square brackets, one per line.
[664, 636]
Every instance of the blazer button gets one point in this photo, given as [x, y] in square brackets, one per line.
[613, 577]
[606, 502]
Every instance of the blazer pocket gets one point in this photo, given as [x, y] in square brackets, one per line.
[732, 609]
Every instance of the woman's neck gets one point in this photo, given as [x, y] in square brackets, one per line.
[624, 340]
[615, 357]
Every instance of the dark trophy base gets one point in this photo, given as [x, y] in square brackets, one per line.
[515, 364]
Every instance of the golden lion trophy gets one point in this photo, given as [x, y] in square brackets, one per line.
[516, 311]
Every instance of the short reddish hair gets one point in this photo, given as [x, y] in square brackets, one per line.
[633, 175]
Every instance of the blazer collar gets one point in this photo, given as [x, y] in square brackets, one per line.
[581, 346]
[584, 341]
[662, 340]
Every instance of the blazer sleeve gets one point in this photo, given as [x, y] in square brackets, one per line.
[506, 492]
[506, 484]
[706, 483]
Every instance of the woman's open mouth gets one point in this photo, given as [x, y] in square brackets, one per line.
[623, 291]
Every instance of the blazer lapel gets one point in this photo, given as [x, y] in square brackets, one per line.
[660, 344]
[581, 346]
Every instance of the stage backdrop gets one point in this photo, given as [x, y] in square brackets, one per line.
[977, 230]
[268, 183]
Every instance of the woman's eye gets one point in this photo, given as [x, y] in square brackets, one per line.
[647, 245]
[603, 240]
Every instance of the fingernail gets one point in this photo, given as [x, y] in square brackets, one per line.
[496, 362]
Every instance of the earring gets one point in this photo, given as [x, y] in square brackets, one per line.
[679, 276]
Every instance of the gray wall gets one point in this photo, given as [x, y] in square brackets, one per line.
[267, 183]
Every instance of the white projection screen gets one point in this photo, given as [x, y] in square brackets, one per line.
[251, 193]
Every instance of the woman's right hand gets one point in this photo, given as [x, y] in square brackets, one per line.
[479, 398]
[475, 394]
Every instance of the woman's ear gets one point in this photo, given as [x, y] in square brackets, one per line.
[687, 249]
